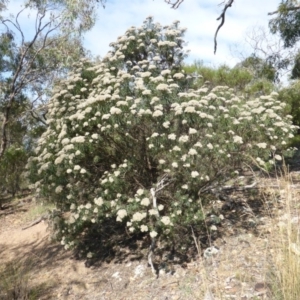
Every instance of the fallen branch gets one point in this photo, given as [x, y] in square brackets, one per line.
[37, 221]
[238, 188]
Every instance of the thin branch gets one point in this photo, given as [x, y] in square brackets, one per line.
[222, 16]
[37, 118]
[19, 27]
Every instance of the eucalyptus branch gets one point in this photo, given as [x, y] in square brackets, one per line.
[285, 9]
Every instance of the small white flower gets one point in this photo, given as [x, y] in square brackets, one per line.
[213, 228]
[115, 111]
[153, 234]
[58, 189]
[82, 171]
[262, 145]
[175, 164]
[178, 75]
[140, 192]
[195, 174]
[237, 139]
[162, 161]
[144, 228]
[78, 139]
[172, 136]
[183, 138]
[166, 220]
[121, 214]
[160, 207]
[165, 72]
[162, 87]
[190, 109]
[192, 131]
[98, 201]
[260, 161]
[166, 124]
[153, 212]
[157, 113]
[278, 157]
[192, 152]
[138, 216]
[145, 202]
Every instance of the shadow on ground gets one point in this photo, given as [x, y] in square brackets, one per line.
[109, 243]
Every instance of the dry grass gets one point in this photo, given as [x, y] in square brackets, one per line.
[269, 262]
[285, 245]
[15, 282]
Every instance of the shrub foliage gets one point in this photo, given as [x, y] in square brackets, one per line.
[129, 141]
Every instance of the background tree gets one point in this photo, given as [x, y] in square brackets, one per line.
[287, 22]
[243, 78]
[30, 64]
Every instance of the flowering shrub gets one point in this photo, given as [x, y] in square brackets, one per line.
[128, 141]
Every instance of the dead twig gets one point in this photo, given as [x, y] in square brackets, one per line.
[222, 16]
[36, 221]
[174, 4]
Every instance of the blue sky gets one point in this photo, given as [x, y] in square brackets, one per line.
[198, 16]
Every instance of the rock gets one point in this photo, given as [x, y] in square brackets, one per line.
[210, 251]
